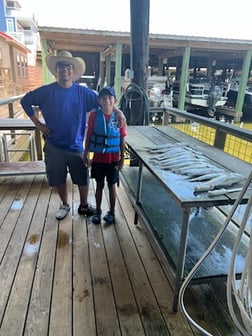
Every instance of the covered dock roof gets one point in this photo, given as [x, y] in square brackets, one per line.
[228, 53]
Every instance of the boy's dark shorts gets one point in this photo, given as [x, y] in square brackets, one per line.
[109, 170]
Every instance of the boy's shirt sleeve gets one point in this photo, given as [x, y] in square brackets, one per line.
[90, 128]
[123, 132]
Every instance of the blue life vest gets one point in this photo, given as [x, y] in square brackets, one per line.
[106, 135]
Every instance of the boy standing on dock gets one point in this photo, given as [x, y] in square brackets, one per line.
[106, 140]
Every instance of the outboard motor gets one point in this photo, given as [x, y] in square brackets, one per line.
[215, 94]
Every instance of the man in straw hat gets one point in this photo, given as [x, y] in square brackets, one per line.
[64, 105]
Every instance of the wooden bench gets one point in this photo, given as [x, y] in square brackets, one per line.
[22, 168]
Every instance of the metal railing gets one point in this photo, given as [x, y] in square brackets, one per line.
[7, 146]
[227, 137]
[7, 138]
[10, 102]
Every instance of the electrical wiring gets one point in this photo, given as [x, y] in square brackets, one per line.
[246, 280]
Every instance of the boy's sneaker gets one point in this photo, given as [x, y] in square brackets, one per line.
[86, 210]
[96, 219]
[109, 218]
[63, 211]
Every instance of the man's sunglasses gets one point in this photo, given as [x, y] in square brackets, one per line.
[63, 65]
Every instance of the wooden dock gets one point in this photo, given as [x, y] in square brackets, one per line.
[229, 112]
[71, 277]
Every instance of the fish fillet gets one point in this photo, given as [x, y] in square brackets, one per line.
[165, 146]
[207, 176]
[222, 181]
[197, 172]
[194, 166]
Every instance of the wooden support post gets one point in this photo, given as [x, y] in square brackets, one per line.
[139, 60]
[108, 70]
[220, 139]
[244, 79]
[183, 79]
[139, 11]
[118, 70]
[11, 115]
[101, 74]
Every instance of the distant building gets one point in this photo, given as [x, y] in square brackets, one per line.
[20, 70]
[14, 78]
[21, 24]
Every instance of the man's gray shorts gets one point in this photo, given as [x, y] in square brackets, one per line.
[60, 162]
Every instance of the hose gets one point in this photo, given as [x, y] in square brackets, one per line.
[231, 274]
[241, 294]
[135, 106]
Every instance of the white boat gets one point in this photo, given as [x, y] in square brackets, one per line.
[201, 94]
[233, 89]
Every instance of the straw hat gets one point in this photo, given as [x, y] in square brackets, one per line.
[65, 56]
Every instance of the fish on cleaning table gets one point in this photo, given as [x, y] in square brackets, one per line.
[225, 180]
[222, 191]
[170, 154]
[174, 151]
[194, 172]
[157, 147]
[160, 154]
[193, 166]
[170, 158]
[185, 163]
[207, 177]
[165, 146]
[178, 152]
[173, 163]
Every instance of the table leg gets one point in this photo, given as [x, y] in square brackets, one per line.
[139, 188]
[181, 257]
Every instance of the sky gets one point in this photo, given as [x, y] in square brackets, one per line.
[215, 18]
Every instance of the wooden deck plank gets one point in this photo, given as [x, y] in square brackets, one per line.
[10, 207]
[163, 291]
[5, 185]
[127, 310]
[20, 294]
[18, 270]
[105, 310]
[61, 311]
[22, 168]
[13, 246]
[106, 319]
[149, 309]
[83, 301]
[39, 309]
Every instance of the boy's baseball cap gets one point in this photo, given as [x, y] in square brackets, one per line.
[107, 90]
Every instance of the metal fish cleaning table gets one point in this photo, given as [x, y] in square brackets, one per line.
[177, 186]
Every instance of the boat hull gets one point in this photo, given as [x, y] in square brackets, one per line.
[203, 102]
[201, 95]
[232, 97]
